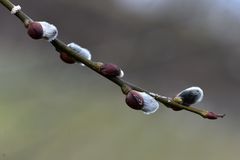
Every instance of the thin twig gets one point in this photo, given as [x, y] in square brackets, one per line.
[124, 85]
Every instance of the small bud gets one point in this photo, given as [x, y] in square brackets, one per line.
[141, 101]
[111, 70]
[81, 51]
[15, 9]
[179, 101]
[189, 96]
[38, 30]
[212, 115]
[66, 58]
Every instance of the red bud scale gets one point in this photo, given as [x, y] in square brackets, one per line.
[35, 30]
[134, 100]
[111, 70]
[66, 58]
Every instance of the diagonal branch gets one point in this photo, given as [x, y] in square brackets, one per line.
[124, 85]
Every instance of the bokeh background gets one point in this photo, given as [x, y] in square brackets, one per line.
[53, 111]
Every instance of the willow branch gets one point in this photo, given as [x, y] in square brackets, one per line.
[124, 85]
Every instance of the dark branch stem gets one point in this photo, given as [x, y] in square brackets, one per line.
[124, 85]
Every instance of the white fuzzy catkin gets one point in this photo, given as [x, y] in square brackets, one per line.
[15, 9]
[150, 104]
[50, 32]
[81, 51]
[198, 89]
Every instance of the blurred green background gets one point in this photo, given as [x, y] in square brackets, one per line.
[53, 111]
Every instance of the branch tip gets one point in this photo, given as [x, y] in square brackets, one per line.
[212, 115]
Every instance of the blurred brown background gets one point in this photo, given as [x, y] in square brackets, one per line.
[50, 110]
